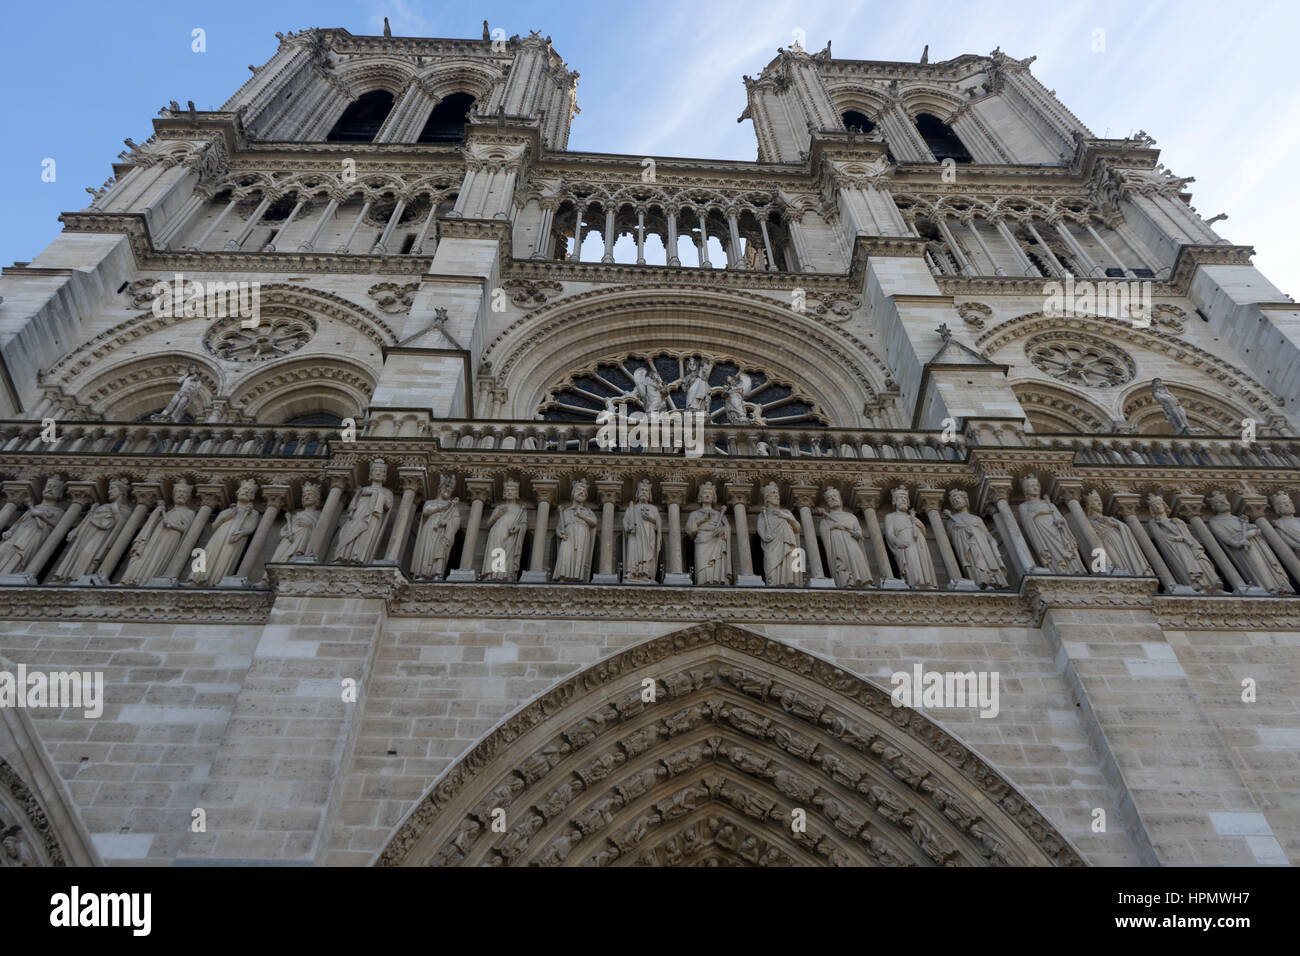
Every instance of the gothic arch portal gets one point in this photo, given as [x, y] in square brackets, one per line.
[743, 731]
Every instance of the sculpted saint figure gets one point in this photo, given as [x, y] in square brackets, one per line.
[505, 536]
[906, 538]
[778, 530]
[296, 534]
[641, 537]
[161, 535]
[439, 522]
[576, 530]
[739, 411]
[367, 515]
[842, 538]
[1182, 552]
[1287, 524]
[24, 539]
[1047, 532]
[1122, 550]
[975, 548]
[698, 391]
[1244, 544]
[1171, 406]
[231, 532]
[190, 385]
[650, 391]
[89, 541]
[711, 531]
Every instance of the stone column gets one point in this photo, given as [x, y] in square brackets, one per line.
[1254, 506]
[767, 245]
[1051, 256]
[867, 498]
[738, 496]
[480, 491]
[211, 496]
[83, 494]
[674, 495]
[293, 214]
[1119, 264]
[275, 497]
[544, 490]
[704, 239]
[241, 237]
[1125, 504]
[207, 233]
[993, 496]
[412, 482]
[930, 500]
[1023, 259]
[1064, 229]
[958, 253]
[577, 233]
[673, 258]
[356, 224]
[610, 492]
[608, 257]
[317, 551]
[640, 237]
[381, 244]
[543, 244]
[431, 219]
[326, 215]
[969, 223]
[1070, 490]
[1188, 507]
[734, 260]
[804, 496]
[146, 497]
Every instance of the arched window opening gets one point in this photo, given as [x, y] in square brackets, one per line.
[943, 142]
[313, 443]
[446, 122]
[360, 122]
[856, 122]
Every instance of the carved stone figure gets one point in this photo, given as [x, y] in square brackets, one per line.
[90, 540]
[1245, 546]
[709, 528]
[698, 390]
[505, 536]
[1046, 531]
[1122, 550]
[905, 535]
[650, 391]
[976, 550]
[1287, 525]
[739, 411]
[439, 522]
[1182, 552]
[24, 539]
[15, 851]
[778, 530]
[642, 533]
[190, 386]
[367, 514]
[842, 538]
[1172, 407]
[575, 528]
[231, 532]
[296, 534]
[156, 544]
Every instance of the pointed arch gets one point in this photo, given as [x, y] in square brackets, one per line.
[742, 732]
[1051, 409]
[1207, 413]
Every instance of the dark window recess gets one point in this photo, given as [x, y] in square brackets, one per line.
[362, 119]
[122, 287]
[1144, 273]
[1114, 273]
[279, 210]
[1204, 317]
[856, 122]
[271, 237]
[446, 123]
[408, 243]
[316, 418]
[943, 142]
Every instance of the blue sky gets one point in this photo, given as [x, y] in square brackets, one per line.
[1212, 82]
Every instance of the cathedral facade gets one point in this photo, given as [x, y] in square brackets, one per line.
[422, 492]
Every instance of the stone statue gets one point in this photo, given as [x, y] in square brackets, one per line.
[1173, 408]
[1182, 552]
[90, 540]
[739, 411]
[976, 550]
[15, 851]
[1047, 532]
[24, 539]
[698, 390]
[231, 532]
[842, 538]
[367, 514]
[156, 544]
[190, 386]
[709, 528]
[439, 522]
[778, 530]
[1245, 546]
[576, 530]
[505, 536]
[905, 535]
[295, 536]
[650, 391]
[1287, 524]
[1123, 553]
[642, 533]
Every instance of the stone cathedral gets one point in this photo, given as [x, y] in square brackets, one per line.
[424, 492]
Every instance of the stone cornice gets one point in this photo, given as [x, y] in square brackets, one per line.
[1033, 285]
[1190, 257]
[187, 605]
[672, 276]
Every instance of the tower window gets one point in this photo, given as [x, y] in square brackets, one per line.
[856, 122]
[446, 122]
[360, 122]
[943, 142]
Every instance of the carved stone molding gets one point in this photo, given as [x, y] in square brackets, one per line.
[115, 603]
[31, 840]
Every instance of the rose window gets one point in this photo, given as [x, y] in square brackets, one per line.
[272, 338]
[1086, 363]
